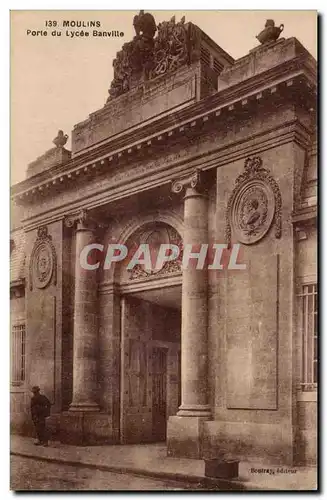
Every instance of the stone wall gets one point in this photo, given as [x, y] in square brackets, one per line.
[19, 394]
[44, 321]
[251, 329]
[306, 449]
[164, 94]
[306, 272]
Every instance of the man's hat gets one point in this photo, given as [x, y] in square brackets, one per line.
[35, 388]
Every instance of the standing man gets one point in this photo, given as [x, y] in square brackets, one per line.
[40, 409]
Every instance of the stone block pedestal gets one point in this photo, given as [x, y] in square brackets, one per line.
[224, 469]
[185, 436]
[82, 429]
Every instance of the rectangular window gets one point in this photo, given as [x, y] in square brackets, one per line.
[18, 347]
[309, 306]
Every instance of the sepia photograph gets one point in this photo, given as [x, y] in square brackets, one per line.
[163, 250]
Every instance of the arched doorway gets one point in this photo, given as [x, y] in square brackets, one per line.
[150, 331]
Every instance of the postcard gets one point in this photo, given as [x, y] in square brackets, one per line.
[163, 248]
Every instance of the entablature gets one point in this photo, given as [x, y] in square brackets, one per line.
[293, 81]
[155, 175]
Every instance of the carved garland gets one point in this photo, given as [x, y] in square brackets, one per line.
[43, 261]
[254, 204]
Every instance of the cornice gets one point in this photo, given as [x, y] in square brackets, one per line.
[307, 215]
[174, 279]
[285, 77]
[151, 283]
[18, 283]
[169, 171]
[108, 288]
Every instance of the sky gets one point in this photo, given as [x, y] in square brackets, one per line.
[57, 82]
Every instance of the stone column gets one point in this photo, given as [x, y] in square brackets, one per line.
[184, 434]
[85, 322]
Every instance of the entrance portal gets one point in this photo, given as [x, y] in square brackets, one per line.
[150, 363]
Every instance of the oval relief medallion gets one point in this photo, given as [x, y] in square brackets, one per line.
[42, 267]
[253, 211]
[43, 264]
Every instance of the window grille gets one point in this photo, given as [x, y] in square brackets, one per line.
[217, 66]
[309, 320]
[205, 56]
[18, 350]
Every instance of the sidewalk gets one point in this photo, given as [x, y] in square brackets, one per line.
[151, 460]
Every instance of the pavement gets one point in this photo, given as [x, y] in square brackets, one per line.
[31, 474]
[150, 460]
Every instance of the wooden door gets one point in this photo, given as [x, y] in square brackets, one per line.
[135, 409]
[159, 393]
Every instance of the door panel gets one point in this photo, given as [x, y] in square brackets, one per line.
[159, 393]
[149, 374]
[136, 401]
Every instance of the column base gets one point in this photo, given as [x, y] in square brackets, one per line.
[194, 411]
[85, 428]
[185, 436]
[84, 407]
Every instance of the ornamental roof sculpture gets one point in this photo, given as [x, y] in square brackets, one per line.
[55, 156]
[144, 24]
[60, 140]
[148, 56]
[270, 33]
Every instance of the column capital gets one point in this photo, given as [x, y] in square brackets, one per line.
[193, 181]
[79, 218]
[82, 220]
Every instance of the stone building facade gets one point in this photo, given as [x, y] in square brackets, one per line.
[191, 147]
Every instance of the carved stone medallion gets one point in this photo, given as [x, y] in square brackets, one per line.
[154, 238]
[43, 260]
[253, 205]
[252, 212]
